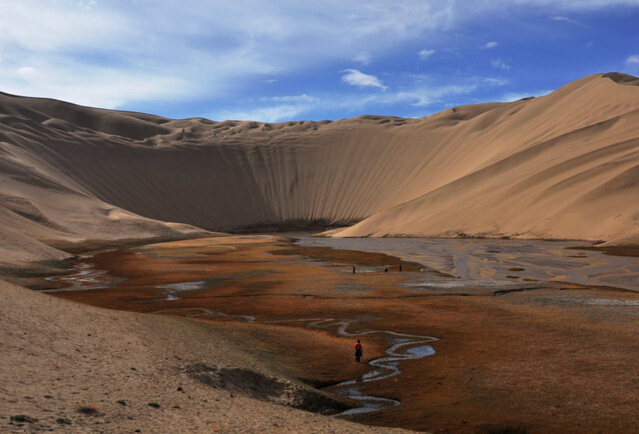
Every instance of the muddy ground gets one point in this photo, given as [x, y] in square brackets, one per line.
[532, 357]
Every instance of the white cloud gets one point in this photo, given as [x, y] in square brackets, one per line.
[425, 96]
[556, 5]
[426, 92]
[51, 27]
[498, 63]
[294, 98]
[495, 81]
[363, 58]
[105, 88]
[354, 77]
[516, 96]
[632, 60]
[87, 5]
[425, 54]
[631, 64]
[564, 19]
[216, 53]
[418, 98]
[26, 72]
[109, 53]
[277, 109]
[278, 113]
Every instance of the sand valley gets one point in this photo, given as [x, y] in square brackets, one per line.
[153, 276]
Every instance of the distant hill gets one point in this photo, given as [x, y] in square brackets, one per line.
[562, 166]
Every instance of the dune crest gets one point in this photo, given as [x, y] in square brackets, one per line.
[565, 165]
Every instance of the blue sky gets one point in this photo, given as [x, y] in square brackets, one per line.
[273, 60]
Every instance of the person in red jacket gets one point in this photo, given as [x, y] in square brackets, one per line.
[358, 351]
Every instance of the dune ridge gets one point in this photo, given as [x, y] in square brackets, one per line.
[561, 166]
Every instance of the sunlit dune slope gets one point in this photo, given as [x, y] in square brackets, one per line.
[562, 166]
[565, 165]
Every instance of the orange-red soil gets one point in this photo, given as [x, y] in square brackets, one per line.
[541, 361]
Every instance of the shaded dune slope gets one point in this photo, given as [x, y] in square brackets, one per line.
[565, 165]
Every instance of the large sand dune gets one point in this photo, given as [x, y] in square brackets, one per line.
[561, 166]
[565, 165]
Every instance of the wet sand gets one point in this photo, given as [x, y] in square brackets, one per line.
[525, 354]
[495, 263]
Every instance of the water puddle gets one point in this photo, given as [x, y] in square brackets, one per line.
[369, 403]
[172, 290]
[84, 278]
[487, 262]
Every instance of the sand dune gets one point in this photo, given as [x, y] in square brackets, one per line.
[565, 165]
[561, 166]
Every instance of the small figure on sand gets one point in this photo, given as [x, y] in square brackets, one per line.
[353, 269]
[358, 351]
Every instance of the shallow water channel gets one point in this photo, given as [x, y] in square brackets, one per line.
[497, 262]
[402, 347]
[497, 265]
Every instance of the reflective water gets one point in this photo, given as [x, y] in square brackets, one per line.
[402, 347]
[83, 278]
[173, 289]
[497, 263]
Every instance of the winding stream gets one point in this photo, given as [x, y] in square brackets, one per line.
[402, 346]
[501, 266]
[84, 278]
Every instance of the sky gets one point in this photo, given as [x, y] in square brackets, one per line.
[289, 60]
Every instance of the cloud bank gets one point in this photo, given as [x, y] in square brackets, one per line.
[215, 58]
[354, 77]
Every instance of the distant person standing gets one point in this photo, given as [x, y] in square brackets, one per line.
[358, 351]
